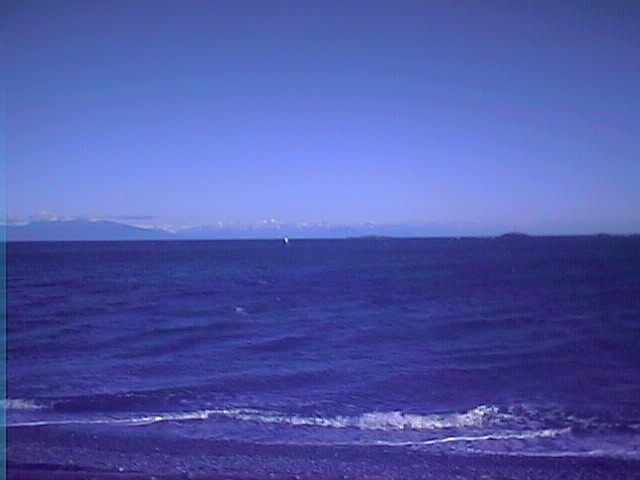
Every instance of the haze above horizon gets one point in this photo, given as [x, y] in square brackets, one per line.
[498, 115]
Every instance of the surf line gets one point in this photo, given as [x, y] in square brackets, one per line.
[496, 436]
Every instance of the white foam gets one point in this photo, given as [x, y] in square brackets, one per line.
[476, 417]
[395, 420]
[621, 453]
[547, 433]
[387, 421]
[100, 421]
[21, 404]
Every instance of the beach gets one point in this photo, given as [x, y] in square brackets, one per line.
[434, 468]
[108, 458]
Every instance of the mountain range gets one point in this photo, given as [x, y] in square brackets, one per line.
[105, 230]
[87, 230]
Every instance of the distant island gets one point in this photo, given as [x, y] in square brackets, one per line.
[515, 235]
[371, 237]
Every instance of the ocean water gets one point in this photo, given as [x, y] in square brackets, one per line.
[356, 348]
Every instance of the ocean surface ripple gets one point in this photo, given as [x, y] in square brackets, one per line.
[503, 346]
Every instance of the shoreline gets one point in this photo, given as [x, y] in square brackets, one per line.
[49, 453]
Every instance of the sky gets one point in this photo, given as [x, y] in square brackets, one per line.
[517, 115]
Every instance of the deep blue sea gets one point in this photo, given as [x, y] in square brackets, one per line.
[510, 346]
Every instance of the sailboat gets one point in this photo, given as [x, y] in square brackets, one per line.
[285, 240]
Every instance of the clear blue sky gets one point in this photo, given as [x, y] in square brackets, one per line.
[516, 113]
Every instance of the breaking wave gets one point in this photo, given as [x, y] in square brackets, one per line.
[389, 421]
[483, 429]
[395, 420]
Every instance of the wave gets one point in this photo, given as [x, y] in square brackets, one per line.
[478, 417]
[21, 404]
[547, 433]
[367, 421]
[483, 418]
[395, 420]
[491, 429]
